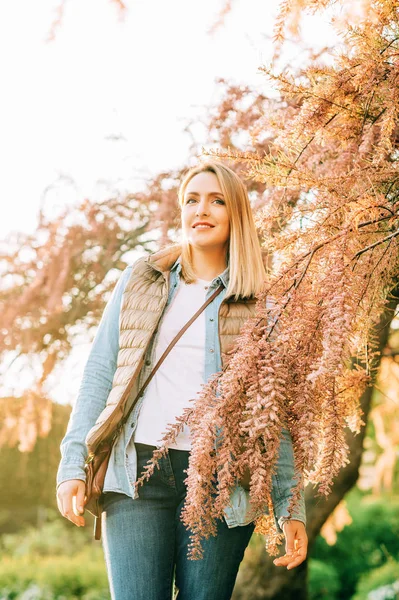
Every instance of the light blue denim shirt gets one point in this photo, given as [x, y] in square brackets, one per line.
[97, 382]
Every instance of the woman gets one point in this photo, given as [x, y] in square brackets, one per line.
[145, 543]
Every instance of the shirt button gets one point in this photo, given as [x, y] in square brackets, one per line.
[211, 350]
[211, 319]
[147, 362]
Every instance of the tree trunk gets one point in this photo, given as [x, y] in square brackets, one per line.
[258, 578]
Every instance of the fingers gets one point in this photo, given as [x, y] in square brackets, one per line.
[80, 500]
[296, 560]
[70, 495]
[295, 547]
[291, 560]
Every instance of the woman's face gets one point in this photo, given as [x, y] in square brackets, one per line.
[204, 201]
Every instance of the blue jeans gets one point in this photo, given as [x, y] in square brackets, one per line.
[145, 543]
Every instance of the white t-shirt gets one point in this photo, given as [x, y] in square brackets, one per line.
[180, 376]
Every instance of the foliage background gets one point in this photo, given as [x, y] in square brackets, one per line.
[59, 278]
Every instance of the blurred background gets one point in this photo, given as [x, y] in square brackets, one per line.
[104, 106]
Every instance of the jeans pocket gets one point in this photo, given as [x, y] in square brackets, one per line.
[110, 498]
[144, 453]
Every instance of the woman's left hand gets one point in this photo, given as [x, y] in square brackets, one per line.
[296, 545]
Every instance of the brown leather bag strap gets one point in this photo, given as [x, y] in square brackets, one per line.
[164, 355]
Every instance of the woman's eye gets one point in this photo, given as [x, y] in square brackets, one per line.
[218, 199]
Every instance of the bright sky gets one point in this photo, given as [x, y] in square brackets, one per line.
[66, 102]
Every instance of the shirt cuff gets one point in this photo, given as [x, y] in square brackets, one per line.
[282, 520]
[70, 471]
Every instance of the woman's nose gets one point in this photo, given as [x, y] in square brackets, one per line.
[202, 209]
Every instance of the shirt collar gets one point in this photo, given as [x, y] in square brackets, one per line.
[225, 276]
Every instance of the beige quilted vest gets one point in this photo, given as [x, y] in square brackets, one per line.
[143, 302]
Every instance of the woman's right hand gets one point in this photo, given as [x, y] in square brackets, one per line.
[66, 493]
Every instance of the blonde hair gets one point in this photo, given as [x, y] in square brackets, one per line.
[247, 272]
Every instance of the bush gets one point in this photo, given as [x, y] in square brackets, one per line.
[365, 544]
[380, 584]
[323, 581]
[55, 538]
[82, 576]
[58, 561]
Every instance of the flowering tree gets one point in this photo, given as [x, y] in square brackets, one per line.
[55, 282]
[332, 185]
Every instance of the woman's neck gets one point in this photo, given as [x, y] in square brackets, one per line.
[208, 264]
